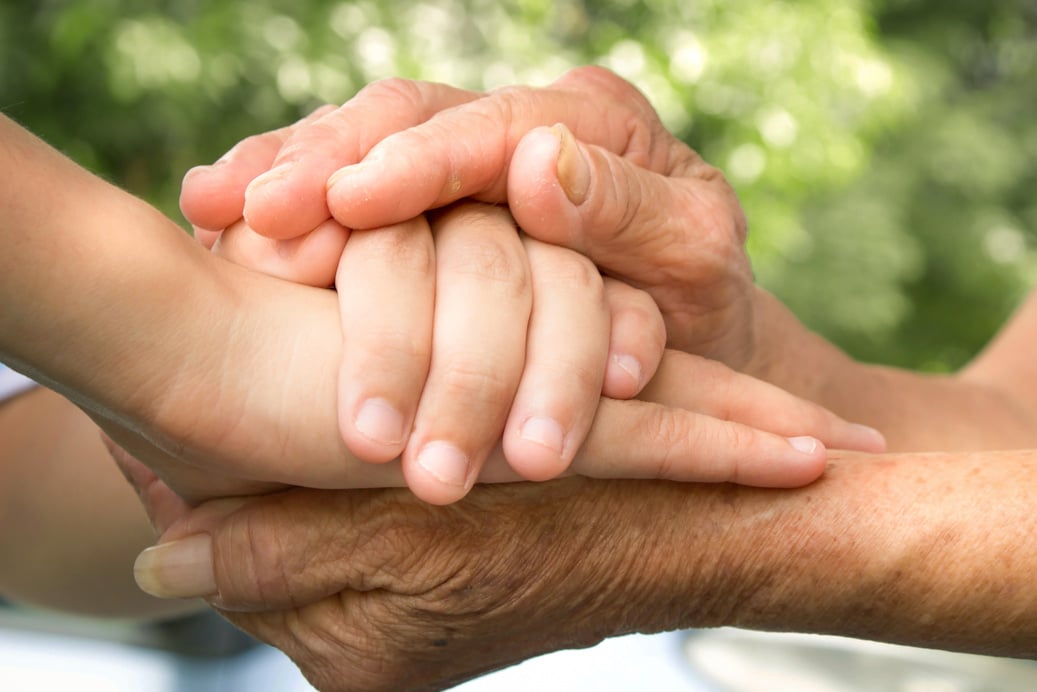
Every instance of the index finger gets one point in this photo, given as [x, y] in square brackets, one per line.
[212, 197]
[465, 151]
[289, 199]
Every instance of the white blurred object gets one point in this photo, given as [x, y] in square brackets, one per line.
[13, 383]
[622, 664]
[743, 661]
[42, 661]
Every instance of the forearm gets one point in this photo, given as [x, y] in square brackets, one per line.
[926, 550]
[915, 411]
[68, 517]
[90, 277]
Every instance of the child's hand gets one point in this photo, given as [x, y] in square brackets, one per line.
[462, 332]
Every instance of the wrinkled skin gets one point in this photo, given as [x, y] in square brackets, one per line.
[376, 590]
[647, 210]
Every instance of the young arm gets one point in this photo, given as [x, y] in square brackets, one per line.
[989, 404]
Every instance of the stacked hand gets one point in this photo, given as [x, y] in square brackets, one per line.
[636, 202]
[456, 330]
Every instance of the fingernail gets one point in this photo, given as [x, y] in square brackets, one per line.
[380, 422]
[445, 462]
[631, 366]
[270, 176]
[805, 444]
[573, 172]
[543, 431]
[178, 569]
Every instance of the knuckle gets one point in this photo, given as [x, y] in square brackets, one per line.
[635, 306]
[487, 261]
[629, 204]
[316, 114]
[487, 257]
[551, 265]
[597, 77]
[722, 205]
[504, 103]
[465, 378]
[670, 436]
[401, 248]
[309, 136]
[568, 379]
[391, 352]
[395, 90]
[584, 378]
[251, 145]
[511, 92]
[255, 568]
[253, 142]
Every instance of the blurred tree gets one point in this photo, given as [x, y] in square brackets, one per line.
[885, 151]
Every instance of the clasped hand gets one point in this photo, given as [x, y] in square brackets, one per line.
[467, 349]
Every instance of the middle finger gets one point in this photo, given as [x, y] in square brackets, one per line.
[483, 302]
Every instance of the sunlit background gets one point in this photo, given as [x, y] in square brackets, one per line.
[885, 151]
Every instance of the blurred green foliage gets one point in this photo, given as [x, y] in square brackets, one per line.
[886, 151]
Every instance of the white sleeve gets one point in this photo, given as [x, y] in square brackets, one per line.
[12, 384]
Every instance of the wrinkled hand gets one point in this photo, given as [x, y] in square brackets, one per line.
[373, 590]
[459, 313]
[402, 147]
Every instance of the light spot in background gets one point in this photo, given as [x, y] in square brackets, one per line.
[627, 59]
[223, 70]
[746, 163]
[330, 83]
[498, 74]
[349, 18]
[376, 50]
[776, 54]
[1004, 244]
[873, 77]
[282, 33]
[152, 53]
[668, 103]
[546, 72]
[688, 57]
[293, 80]
[777, 127]
[427, 18]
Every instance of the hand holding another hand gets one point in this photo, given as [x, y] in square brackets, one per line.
[621, 190]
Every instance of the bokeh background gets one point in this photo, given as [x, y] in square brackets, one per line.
[885, 150]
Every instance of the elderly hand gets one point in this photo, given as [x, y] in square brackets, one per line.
[372, 590]
[640, 204]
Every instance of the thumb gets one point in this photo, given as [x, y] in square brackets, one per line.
[631, 221]
[283, 550]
